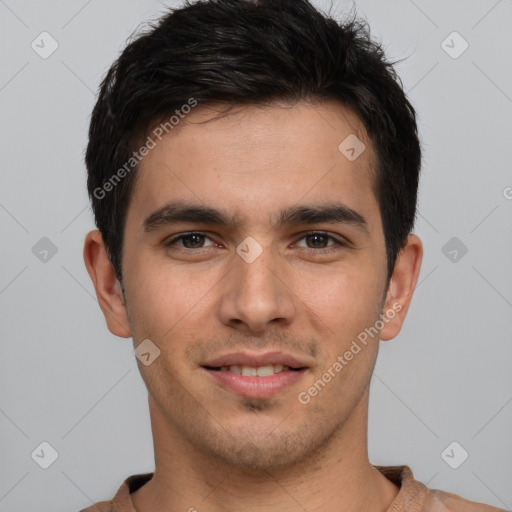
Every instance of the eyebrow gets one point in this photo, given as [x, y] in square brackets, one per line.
[174, 213]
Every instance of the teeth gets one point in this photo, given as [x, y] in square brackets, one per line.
[261, 371]
[264, 371]
[235, 369]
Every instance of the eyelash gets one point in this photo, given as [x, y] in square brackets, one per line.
[323, 250]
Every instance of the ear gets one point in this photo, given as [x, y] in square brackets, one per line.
[401, 287]
[107, 286]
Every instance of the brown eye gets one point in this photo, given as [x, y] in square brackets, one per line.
[189, 241]
[317, 242]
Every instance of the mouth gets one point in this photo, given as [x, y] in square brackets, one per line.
[256, 376]
[252, 371]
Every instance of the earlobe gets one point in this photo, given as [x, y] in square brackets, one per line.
[107, 287]
[401, 287]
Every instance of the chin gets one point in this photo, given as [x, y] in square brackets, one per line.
[270, 449]
[254, 458]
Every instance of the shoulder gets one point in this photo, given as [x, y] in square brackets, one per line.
[441, 501]
[121, 502]
[101, 506]
[415, 496]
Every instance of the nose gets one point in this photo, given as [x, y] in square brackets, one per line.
[257, 294]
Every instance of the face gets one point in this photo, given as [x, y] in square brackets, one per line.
[253, 244]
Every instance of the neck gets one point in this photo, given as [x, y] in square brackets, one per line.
[337, 477]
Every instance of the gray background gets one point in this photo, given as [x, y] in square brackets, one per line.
[66, 380]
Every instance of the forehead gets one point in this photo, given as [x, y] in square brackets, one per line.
[258, 158]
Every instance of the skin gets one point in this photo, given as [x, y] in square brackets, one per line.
[216, 450]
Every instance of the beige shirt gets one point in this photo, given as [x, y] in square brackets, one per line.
[412, 497]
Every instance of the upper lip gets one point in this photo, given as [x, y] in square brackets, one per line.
[256, 360]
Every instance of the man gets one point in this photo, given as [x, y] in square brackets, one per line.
[253, 169]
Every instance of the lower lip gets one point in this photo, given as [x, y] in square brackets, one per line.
[256, 387]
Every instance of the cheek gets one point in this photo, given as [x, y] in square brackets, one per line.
[163, 295]
[346, 302]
